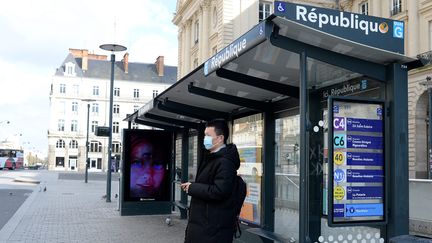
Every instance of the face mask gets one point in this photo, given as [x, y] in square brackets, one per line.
[208, 142]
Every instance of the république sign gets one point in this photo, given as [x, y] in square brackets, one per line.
[386, 34]
[247, 41]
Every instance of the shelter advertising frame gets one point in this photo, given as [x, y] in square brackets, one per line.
[146, 172]
[357, 165]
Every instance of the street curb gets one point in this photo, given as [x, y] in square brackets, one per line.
[26, 180]
[13, 222]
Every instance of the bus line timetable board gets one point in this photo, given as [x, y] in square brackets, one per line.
[356, 162]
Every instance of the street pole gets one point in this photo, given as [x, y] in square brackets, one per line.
[112, 48]
[87, 160]
[108, 193]
[87, 144]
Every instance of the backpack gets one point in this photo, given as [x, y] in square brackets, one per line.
[239, 197]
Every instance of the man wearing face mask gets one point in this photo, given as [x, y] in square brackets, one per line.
[212, 215]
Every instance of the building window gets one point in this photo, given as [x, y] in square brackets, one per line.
[95, 108]
[69, 69]
[116, 109]
[134, 125]
[94, 125]
[264, 10]
[60, 143]
[430, 35]
[364, 8]
[60, 161]
[96, 146]
[74, 126]
[116, 127]
[61, 124]
[76, 89]
[196, 32]
[396, 7]
[215, 17]
[195, 63]
[155, 93]
[75, 107]
[214, 50]
[136, 107]
[116, 148]
[62, 107]
[96, 90]
[99, 163]
[62, 88]
[136, 93]
[73, 144]
[117, 92]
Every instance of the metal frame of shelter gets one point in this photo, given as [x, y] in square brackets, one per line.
[278, 66]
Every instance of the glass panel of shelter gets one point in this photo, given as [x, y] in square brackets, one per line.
[178, 169]
[247, 135]
[325, 80]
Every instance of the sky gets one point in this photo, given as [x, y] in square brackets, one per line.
[36, 37]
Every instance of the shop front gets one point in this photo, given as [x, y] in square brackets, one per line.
[317, 103]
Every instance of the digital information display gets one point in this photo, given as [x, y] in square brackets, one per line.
[356, 162]
[147, 155]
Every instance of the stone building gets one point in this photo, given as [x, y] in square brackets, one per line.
[80, 88]
[207, 26]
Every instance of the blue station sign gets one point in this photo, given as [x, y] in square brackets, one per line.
[385, 34]
[244, 43]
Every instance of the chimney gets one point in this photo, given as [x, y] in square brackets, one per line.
[84, 65]
[160, 65]
[126, 62]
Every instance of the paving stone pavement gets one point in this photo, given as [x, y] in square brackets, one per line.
[73, 211]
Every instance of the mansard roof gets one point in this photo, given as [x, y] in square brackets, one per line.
[101, 69]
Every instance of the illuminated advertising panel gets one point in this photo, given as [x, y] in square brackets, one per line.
[356, 162]
[147, 155]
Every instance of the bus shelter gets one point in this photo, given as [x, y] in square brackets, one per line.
[317, 102]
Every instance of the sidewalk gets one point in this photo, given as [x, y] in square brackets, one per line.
[72, 211]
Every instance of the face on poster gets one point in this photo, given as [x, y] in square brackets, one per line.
[357, 162]
[147, 160]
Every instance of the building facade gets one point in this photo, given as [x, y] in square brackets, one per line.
[207, 26]
[81, 87]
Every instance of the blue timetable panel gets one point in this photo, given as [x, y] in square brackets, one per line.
[356, 161]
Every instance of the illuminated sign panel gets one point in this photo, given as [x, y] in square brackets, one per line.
[382, 33]
[356, 162]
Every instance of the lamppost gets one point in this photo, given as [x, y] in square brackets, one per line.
[7, 121]
[87, 162]
[113, 48]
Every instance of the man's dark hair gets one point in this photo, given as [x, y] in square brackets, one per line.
[220, 127]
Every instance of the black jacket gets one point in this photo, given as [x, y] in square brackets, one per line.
[212, 213]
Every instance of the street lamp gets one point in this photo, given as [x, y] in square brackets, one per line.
[113, 48]
[7, 121]
[87, 162]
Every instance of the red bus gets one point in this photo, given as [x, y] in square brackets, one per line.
[11, 158]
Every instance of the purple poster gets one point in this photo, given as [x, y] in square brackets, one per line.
[147, 156]
[365, 176]
[364, 142]
[366, 159]
[364, 192]
[363, 125]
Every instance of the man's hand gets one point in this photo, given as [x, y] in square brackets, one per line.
[185, 186]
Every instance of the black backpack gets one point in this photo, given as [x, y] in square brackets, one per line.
[239, 197]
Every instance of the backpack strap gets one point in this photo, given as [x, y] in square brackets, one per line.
[237, 229]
